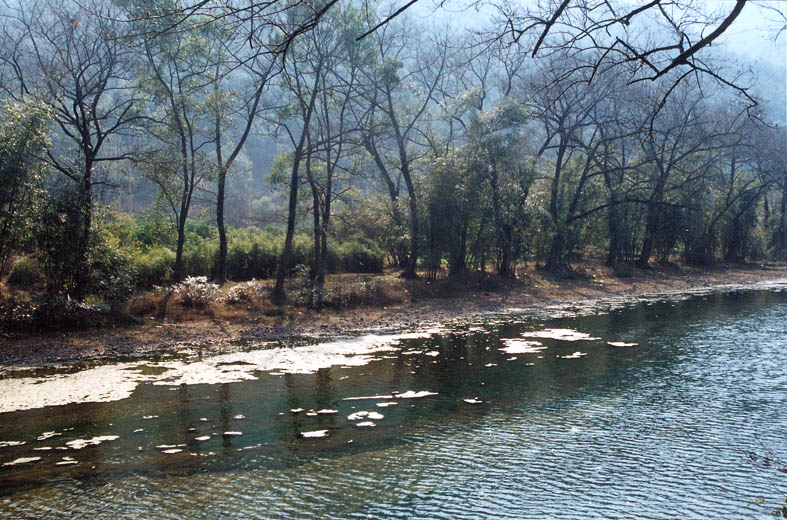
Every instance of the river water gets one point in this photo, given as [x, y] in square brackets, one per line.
[505, 417]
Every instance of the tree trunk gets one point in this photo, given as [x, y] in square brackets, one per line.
[278, 296]
[221, 266]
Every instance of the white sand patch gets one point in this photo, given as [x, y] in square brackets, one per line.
[5, 444]
[521, 346]
[243, 366]
[387, 404]
[117, 381]
[621, 344]
[368, 397]
[22, 460]
[47, 435]
[560, 334]
[365, 415]
[78, 444]
[98, 384]
[365, 424]
[575, 355]
[472, 400]
[327, 411]
[202, 438]
[410, 394]
[314, 434]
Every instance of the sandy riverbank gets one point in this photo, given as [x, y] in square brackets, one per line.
[219, 335]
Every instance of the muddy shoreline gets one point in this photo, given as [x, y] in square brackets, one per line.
[219, 336]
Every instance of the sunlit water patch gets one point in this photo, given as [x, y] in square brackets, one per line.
[671, 408]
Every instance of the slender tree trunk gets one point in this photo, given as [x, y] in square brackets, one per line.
[782, 238]
[651, 224]
[555, 257]
[221, 266]
[85, 213]
[278, 296]
[178, 274]
[412, 261]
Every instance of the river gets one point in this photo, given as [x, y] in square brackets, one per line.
[673, 406]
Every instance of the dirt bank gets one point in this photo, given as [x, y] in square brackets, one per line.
[421, 307]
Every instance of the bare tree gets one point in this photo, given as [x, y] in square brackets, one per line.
[394, 111]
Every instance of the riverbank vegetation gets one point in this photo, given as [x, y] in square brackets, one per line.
[148, 157]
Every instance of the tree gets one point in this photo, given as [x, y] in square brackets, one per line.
[59, 55]
[395, 106]
[177, 120]
[242, 71]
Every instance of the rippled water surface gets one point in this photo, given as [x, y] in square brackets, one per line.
[502, 418]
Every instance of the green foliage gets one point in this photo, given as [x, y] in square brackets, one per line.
[154, 267]
[111, 274]
[358, 257]
[25, 274]
[23, 141]
[60, 243]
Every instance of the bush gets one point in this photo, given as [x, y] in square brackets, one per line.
[252, 254]
[360, 257]
[25, 274]
[246, 292]
[52, 313]
[195, 291]
[200, 258]
[110, 271]
[154, 267]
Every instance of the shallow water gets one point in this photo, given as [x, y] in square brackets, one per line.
[509, 417]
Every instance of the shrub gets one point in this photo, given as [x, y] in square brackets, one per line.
[200, 258]
[110, 271]
[246, 292]
[154, 267]
[25, 274]
[196, 291]
[52, 313]
[360, 257]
